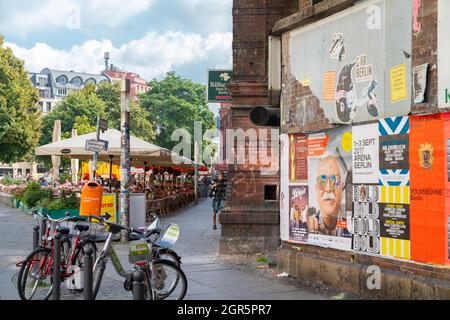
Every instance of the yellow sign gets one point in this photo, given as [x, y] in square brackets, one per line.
[347, 142]
[399, 86]
[329, 80]
[109, 206]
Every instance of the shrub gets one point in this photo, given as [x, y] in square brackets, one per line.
[68, 200]
[34, 193]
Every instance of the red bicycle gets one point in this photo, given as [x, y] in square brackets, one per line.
[35, 276]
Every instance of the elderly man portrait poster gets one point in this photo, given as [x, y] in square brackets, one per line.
[330, 188]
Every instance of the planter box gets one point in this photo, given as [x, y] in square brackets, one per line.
[27, 210]
[16, 203]
[58, 214]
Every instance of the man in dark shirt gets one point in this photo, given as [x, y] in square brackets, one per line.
[218, 194]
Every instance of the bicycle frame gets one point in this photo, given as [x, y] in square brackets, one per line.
[108, 252]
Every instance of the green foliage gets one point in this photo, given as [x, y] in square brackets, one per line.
[141, 126]
[20, 118]
[66, 201]
[175, 103]
[262, 259]
[79, 108]
[8, 181]
[34, 193]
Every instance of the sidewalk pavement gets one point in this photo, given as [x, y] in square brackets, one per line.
[210, 276]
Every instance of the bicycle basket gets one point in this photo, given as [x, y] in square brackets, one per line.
[169, 237]
[139, 252]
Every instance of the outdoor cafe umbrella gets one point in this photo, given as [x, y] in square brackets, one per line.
[140, 150]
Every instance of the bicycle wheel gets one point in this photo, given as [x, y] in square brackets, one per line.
[168, 254]
[35, 276]
[168, 281]
[99, 269]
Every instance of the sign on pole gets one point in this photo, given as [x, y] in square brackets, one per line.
[218, 81]
[96, 145]
[103, 124]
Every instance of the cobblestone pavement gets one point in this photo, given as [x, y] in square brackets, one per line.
[210, 276]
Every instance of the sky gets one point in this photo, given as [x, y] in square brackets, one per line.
[149, 37]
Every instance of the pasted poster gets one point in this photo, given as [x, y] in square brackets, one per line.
[284, 187]
[394, 187]
[330, 188]
[366, 222]
[394, 151]
[298, 158]
[394, 220]
[420, 82]
[353, 51]
[443, 54]
[298, 216]
[365, 154]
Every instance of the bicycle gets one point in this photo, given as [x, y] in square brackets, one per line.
[36, 270]
[158, 272]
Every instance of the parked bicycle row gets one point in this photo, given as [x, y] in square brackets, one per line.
[72, 243]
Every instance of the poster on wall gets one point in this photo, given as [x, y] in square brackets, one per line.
[365, 154]
[420, 82]
[443, 54]
[284, 187]
[330, 188]
[352, 52]
[298, 214]
[366, 222]
[394, 151]
[394, 187]
[298, 158]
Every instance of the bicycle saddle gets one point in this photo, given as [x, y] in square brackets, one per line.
[63, 230]
[82, 227]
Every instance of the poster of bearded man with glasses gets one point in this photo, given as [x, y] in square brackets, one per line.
[330, 187]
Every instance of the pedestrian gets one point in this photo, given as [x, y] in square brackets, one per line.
[218, 194]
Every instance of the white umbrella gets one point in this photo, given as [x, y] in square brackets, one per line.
[140, 150]
[56, 161]
[74, 163]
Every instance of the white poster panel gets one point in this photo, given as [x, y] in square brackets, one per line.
[444, 53]
[366, 154]
[284, 187]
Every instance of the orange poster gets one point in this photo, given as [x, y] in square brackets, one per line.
[428, 216]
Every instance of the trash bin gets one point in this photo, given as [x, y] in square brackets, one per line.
[91, 199]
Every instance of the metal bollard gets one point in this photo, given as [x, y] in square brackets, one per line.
[57, 267]
[35, 237]
[42, 228]
[88, 274]
[138, 285]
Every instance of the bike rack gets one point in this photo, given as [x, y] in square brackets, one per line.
[138, 285]
[88, 274]
[57, 267]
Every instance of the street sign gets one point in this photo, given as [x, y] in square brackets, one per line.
[218, 81]
[103, 124]
[96, 145]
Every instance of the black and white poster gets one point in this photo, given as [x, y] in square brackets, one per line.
[365, 220]
[394, 220]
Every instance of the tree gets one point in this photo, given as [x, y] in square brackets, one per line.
[20, 119]
[176, 103]
[141, 127]
[84, 104]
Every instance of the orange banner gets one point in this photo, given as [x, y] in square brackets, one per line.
[428, 215]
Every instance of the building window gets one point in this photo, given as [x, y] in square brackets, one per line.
[42, 81]
[61, 91]
[44, 93]
[77, 81]
[49, 107]
[270, 193]
[62, 80]
[90, 80]
[314, 2]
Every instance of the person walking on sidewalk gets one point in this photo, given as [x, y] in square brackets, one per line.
[218, 190]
